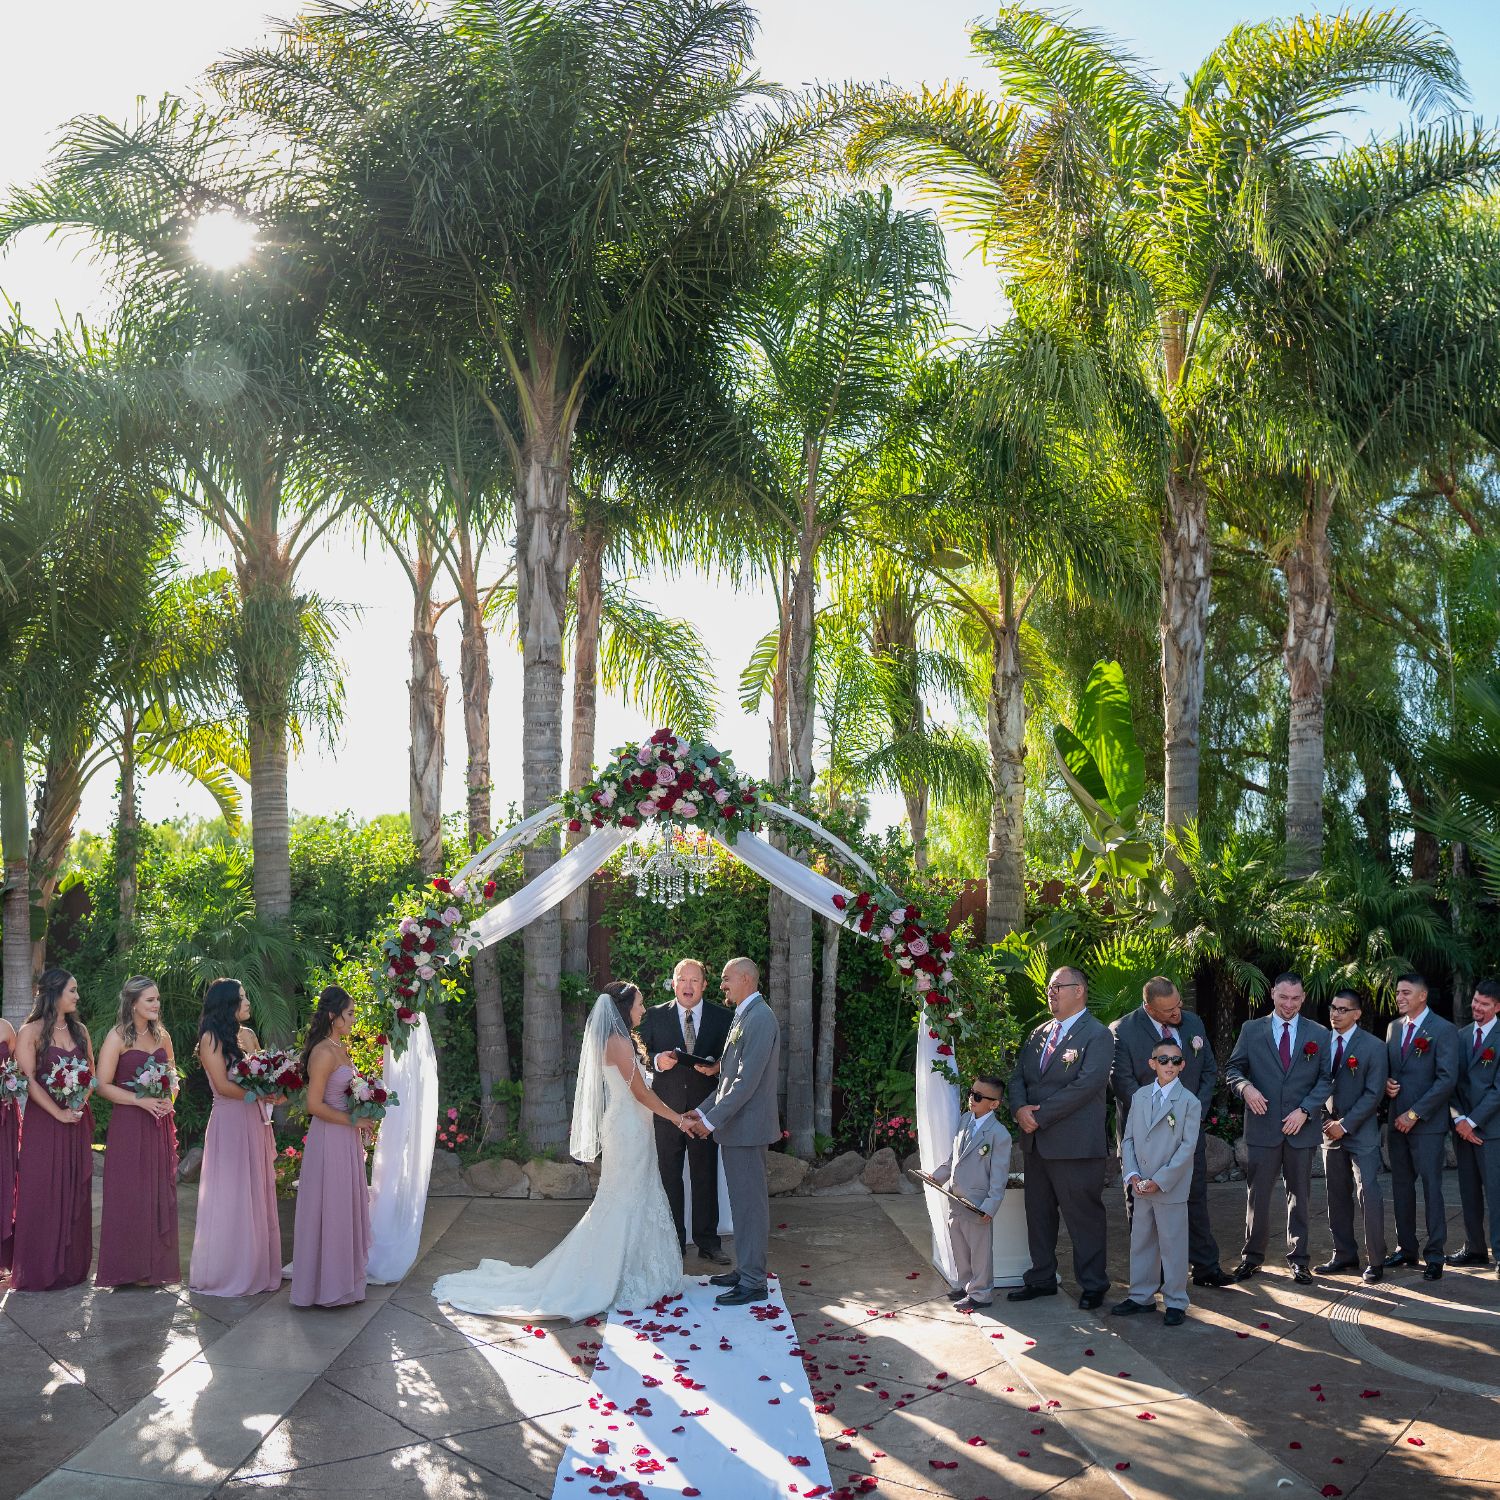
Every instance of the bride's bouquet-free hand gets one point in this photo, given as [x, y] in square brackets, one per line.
[70, 1081]
[267, 1073]
[156, 1080]
[14, 1084]
[369, 1098]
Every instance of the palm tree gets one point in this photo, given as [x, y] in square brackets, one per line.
[593, 179]
[1133, 210]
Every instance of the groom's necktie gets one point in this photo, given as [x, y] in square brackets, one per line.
[689, 1033]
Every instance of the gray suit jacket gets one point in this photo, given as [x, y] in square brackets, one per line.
[1305, 1085]
[1162, 1151]
[743, 1111]
[1477, 1092]
[976, 1173]
[1135, 1035]
[1427, 1075]
[1358, 1091]
[1070, 1095]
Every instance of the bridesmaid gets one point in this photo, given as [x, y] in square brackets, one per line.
[333, 1200]
[237, 1238]
[54, 1239]
[138, 1232]
[10, 1148]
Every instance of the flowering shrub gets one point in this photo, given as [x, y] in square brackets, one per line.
[450, 1135]
[288, 1170]
[899, 1132]
[666, 776]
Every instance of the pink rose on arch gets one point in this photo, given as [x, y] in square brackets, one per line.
[649, 809]
[721, 796]
[607, 797]
[917, 947]
[451, 916]
[922, 982]
[685, 809]
[887, 933]
[665, 776]
[899, 915]
[427, 972]
[408, 924]
[644, 756]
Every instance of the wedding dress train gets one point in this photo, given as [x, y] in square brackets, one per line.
[622, 1253]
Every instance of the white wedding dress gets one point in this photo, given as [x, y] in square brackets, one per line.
[622, 1253]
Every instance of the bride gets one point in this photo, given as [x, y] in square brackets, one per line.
[624, 1251]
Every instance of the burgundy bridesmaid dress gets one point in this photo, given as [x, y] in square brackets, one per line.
[332, 1240]
[138, 1230]
[54, 1195]
[237, 1236]
[10, 1150]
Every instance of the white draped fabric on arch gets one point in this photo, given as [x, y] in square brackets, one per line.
[403, 1152]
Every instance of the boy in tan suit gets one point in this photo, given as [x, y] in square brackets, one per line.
[1156, 1161]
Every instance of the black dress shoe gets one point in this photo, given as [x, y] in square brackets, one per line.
[713, 1255]
[1469, 1258]
[1432, 1271]
[1090, 1300]
[956, 1296]
[725, 1278]
[1213, 1276]
[1246, 1269]
[969, 1305]
[1128, 1308]
[1026, 1293]
[1371, 1275]
[1302, 1276]
[1336, 1267]
[741, 1295]
[1400, 1258]
[1174, 1317]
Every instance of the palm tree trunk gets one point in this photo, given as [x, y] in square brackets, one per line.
[270, 818]
[127, 839]
[1005, 867]
[779, 905]
[543, 552]
[56, 814]
[427, 706]
[827, 1018]
[15, 947]
[1308, 653]
[590, 605]
[1185, 563]
[491, 1042]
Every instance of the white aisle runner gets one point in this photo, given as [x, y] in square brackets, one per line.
[693, 1399]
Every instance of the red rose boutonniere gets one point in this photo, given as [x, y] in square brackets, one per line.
[1352, 1065]
[1421, 1045]
[1488, 1055]
[1310, 1049]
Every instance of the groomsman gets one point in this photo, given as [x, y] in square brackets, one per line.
[1161, 1018]
[1476, 1127]
[687, 1022]
[1057, 1091]
[1280, 1067]
[1423, 1053]
[1351, 1141]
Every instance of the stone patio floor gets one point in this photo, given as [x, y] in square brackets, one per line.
[1269, 1389]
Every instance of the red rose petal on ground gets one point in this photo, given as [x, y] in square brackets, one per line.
[1242, 1335]
[1330, 1489]
[977, 1442]
[1417, 1442]
[1145, 1416]
[1122, 1465]
[1335, 1460]
[1023, 1453]
[1368, 1395]
[1294, 1445]
[689, 1490]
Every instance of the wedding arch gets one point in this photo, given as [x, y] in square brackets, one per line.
[672, 797]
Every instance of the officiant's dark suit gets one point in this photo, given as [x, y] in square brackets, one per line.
[685, 1088]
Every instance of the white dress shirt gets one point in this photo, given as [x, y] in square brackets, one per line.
[1484, 1036]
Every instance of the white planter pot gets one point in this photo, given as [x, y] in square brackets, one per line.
[1012, 1256]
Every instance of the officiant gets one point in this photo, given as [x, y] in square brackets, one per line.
[686, 1024]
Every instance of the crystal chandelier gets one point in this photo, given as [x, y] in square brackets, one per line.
[668, 864]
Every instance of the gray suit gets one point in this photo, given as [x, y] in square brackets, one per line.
[744, 1120]
[1352, 1163]
[1477, 1098]
[976, 1167]
[1304, 1084]
[1428, 1075]
[1064, 1158]
[1158, 1144]
[1135, 1035]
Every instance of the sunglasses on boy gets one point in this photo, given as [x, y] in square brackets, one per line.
[1174, 1061]
[975, 1094]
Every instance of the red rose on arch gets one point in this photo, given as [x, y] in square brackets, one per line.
[441, 884]
[1310, 1049]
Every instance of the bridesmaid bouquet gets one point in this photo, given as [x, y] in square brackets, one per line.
[69, 1080]
[266, 1073]
[369, 1098]
[155, 1079]
[13, 1082]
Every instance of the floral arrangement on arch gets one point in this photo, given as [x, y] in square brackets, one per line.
[666, 776]
[923, 957]
[426, 946]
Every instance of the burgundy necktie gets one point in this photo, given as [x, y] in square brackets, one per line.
[1168, 1035]
[1406, 1040]
[1478, 1040]
[1285, 1049]
[1052, 1038]
[1338, 1057]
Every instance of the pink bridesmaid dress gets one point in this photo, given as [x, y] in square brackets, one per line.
[54, 1240]
[333, 1210]
[10, 1152]
[237, 1237]
[138, 1230]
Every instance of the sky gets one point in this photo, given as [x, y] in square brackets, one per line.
[98, 56]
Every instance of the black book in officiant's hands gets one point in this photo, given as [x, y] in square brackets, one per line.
[693, 1059]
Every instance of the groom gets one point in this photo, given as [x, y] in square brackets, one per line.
[744, 1120]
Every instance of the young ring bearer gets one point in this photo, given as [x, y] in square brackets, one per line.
[976, 1169]
[1156, 1161]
